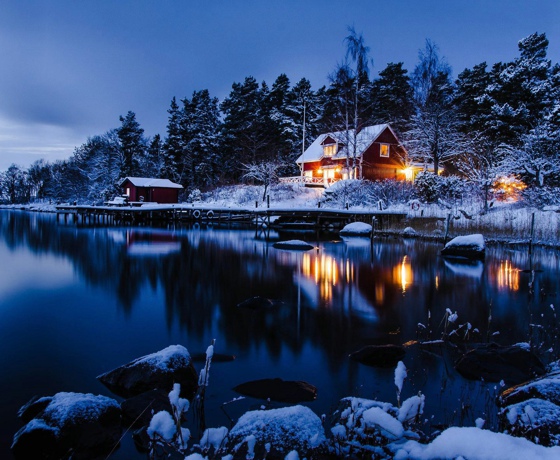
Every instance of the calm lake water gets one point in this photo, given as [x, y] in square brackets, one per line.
[76, 302]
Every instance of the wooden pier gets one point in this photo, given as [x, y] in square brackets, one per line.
[280, 218]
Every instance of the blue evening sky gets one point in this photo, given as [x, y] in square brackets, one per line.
[70, 68]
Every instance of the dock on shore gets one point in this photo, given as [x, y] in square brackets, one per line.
[282, 218]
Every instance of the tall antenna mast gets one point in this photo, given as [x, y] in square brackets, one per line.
[303, 145]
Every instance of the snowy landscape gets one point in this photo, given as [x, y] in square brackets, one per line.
[419, 323]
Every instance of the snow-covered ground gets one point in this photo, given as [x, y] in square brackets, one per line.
[504, 221]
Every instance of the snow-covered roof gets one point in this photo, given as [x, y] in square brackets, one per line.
[151, 182]
[364, 139]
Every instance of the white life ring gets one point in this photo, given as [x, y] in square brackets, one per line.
[210, 214]
[415, 206]
[196, 213]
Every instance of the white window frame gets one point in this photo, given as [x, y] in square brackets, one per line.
[381, 150]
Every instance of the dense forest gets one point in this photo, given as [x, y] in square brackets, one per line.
[500, 120]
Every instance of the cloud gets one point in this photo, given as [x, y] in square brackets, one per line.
[24, 142]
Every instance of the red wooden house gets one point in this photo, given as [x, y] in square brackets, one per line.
[373, 153]
[148, 189]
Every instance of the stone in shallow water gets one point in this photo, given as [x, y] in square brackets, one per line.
[159, 370]
[379, 355]
[278, 390]
[467, 246]
[297, 245]
[494, 363]
[356, 229]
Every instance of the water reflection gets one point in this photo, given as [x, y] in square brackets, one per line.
[183, 284]
[507, 276]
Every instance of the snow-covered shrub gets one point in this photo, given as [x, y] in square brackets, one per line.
[194, 196]
[431, 188]
[369, 426]
[351, 192]
[426, 185]
[165, 427]
[379, 194]
[540, 197]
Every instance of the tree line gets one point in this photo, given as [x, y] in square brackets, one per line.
[488, 122]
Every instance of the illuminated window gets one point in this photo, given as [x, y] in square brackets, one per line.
[329, 150]
[384, 150]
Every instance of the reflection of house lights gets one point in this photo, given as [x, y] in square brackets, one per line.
[403, 274]
[324, 270]
[508, 276]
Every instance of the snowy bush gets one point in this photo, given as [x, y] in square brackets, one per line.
[378, 194]
[194, 196]
[539, 197]
[426, 185]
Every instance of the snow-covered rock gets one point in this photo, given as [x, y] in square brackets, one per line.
[547, 388]
[356, 229]
[467, 246]
[284, 430]
[535, 419]
[86, 424]
[409, 231]
[158, 370]
[297, 245]
[473, 444]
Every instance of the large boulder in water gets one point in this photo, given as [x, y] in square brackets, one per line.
[283, 430]
[138, 411]
[379, 355]
[88, 426]
[278, 390]
[546, 388]
[159, 370]
[466, 247]
[493, 363]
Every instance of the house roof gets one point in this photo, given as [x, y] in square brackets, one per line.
[151, 182]
[364, 139]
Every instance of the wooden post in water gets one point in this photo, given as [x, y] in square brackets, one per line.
[268, 201]
[532, 233]
[447, 228]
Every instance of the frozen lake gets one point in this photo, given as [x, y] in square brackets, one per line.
[76, 302]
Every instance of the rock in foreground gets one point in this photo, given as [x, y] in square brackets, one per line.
[285, 429]
[535, 419]
[547, 388]
[468, 247]
[159, 370]
[86, 425]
